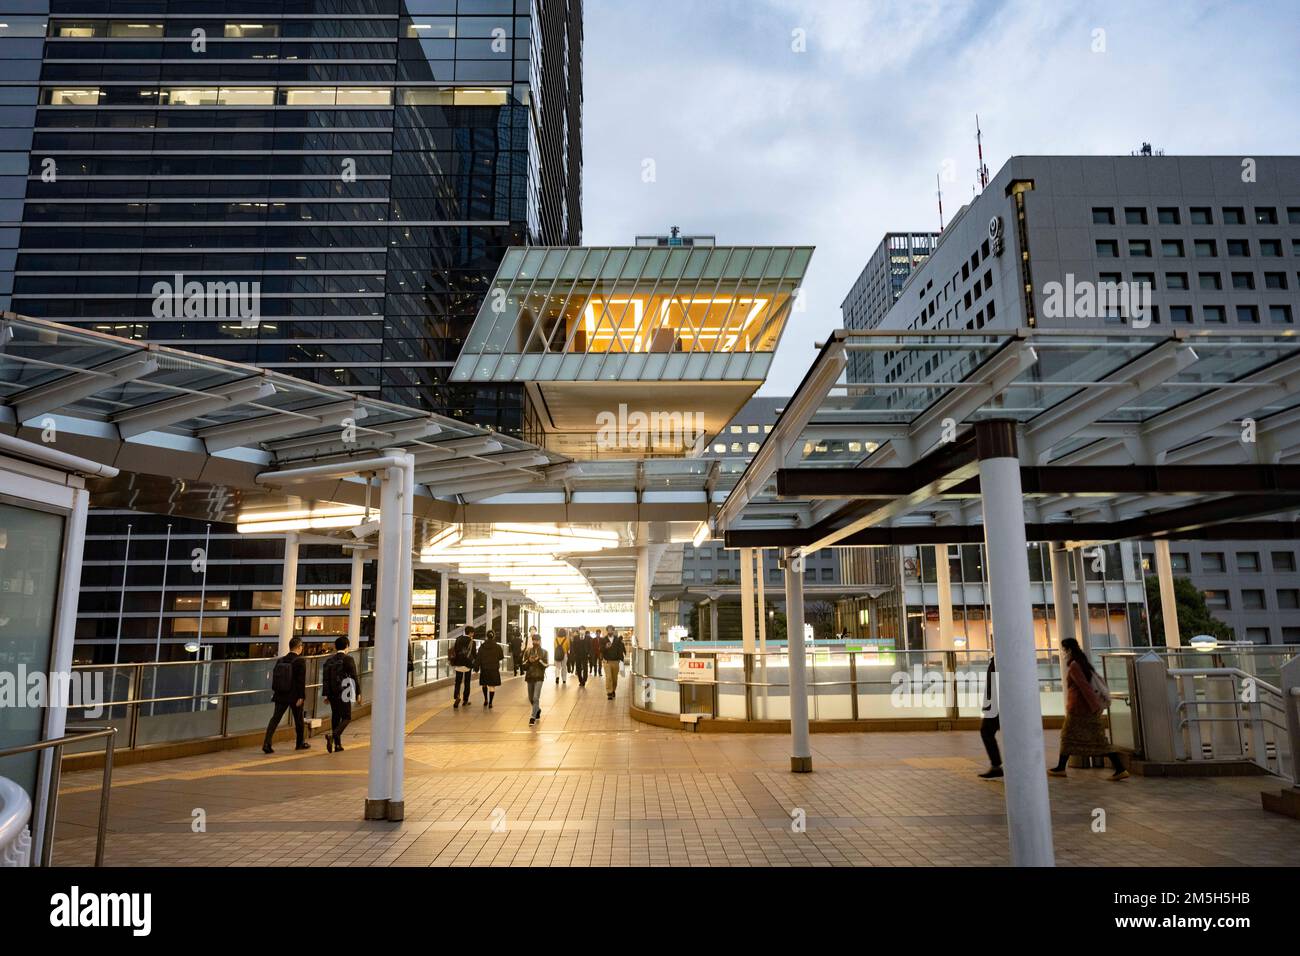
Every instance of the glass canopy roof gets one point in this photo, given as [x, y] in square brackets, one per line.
[1118, 397]
[612, 313]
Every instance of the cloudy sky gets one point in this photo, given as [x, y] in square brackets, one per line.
[758, 142]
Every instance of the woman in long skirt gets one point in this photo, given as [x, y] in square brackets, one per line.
[1084, 731]
[489, 668]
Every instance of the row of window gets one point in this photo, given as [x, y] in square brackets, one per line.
[1247, 562]
[705, 575]
[272, 96]
[422, 28]
[1201, 248]
[1197, 216]
[1205, 281]
[1252, 599]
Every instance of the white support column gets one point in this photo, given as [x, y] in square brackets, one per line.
[761, 670]
[713, 618]
[388, 581]
[1168, 603]
[469, 604]
[404, 477]
[444, 595]
[800, 746]
[1029, 815]
[354, 596]
[641, 599]
[288, 590]
[1062, 603]
[1085, 609]
[943, 577]
[747, 600]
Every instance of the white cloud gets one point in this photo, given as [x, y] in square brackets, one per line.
[842, 143]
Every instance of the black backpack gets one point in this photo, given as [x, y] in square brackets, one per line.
[334, 675]
[282, 678]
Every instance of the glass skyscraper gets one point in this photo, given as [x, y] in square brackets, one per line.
[361, 164]
[352, 169]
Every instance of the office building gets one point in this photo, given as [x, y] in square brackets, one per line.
[1118, 243]
[881, 282]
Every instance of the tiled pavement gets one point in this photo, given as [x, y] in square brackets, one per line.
[589, 786]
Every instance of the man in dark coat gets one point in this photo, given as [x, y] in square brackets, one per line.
[580, 654]
[288, 692]
[341, 688]
[461, 657]
[517, 654]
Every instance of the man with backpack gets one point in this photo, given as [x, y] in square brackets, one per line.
[288, 692]
[342, 688]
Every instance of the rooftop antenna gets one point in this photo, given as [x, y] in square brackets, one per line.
[939, 184]
[983, 170]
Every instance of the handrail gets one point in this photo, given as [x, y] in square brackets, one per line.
[15, 812]
[52, 791]
[1223, 672]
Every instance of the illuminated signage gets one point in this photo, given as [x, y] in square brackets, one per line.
[329, 599]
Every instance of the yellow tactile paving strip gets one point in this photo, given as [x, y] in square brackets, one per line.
[589, 786]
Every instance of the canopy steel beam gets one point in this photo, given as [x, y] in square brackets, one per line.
[72, 388]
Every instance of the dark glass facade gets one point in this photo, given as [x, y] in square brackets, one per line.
[363, 164]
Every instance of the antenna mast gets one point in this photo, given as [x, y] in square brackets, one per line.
[983, 170]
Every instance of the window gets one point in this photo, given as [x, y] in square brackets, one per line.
[1248, 314]
[365, 97]
[190, 96]
[252, 31]
[307, 97]
[706, 574]
[1201, 216]
[1283, 561]
[1205, 248]
[1217, 600]
[828, 574]
[1214, 313]
[1167, 216]
[1243, 280]
[1234, 216]
[1209, 280]
[1106, 248]
[1253, 600]
[1270, 248]
[1180, 562]
[1140, 248]
[1279, 314]
[1293, 215]
[78, 29]
[1257, 635]
[246, 96]
[1212, 562]
[1180, 314]
[71, 96]
[1171, 247]
[127, 28]
[1288, 599]
[1291, 635]
[688, 575]
[1248, 561]
[1135, 216]
[1103, 217]
[1239, 248]
[1176, 280]
[1265, 216]
[1274, 280]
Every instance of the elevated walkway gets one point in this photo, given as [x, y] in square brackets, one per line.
[590, 786]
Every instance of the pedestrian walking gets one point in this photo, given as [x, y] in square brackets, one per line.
[561, 655]
[288, 692]
[580, 656]
[597, 651]
[614, 653]
[517, 653]
[1086, 698]
[535, 664]
[462, 662]
[488, 663]
[990, 723]
[341, 688]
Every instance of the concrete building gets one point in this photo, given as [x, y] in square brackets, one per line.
[1110, 243]
[881, 282]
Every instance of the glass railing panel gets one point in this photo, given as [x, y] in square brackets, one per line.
[183, 702]
[106, 695]
[730, 672]
[830, 685]
[250, 696]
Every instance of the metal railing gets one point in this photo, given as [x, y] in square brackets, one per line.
[79, 736]
[1225, 713]
[15, 812]
[841, 684]
[180, 701]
